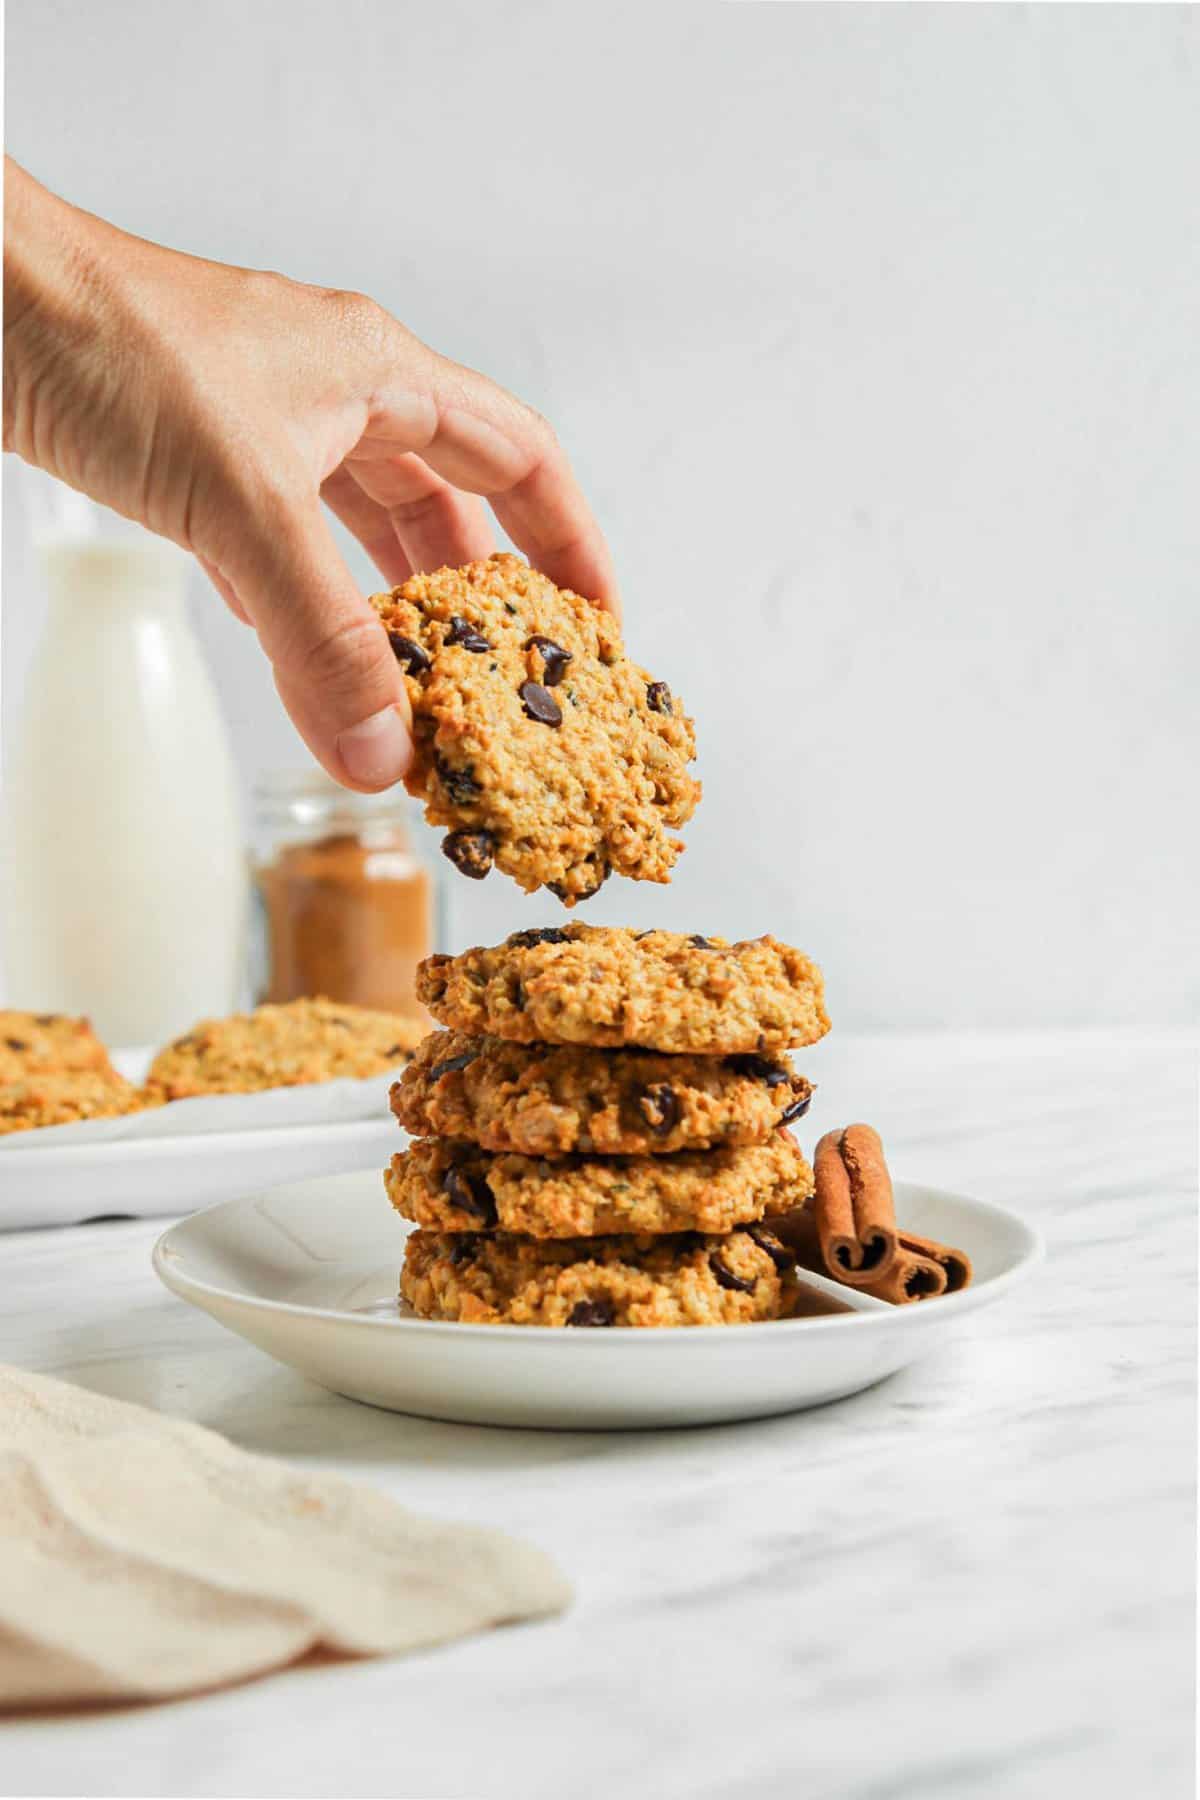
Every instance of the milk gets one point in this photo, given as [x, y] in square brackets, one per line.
[124, 884]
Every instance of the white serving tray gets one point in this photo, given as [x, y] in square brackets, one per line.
[193, 1152]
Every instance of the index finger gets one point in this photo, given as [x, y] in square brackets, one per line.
[482, 439]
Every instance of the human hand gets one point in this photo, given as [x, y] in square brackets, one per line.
[219, 406]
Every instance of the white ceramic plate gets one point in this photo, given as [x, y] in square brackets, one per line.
[309, 1273]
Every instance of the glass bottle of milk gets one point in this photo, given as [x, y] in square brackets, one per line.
[125, 884]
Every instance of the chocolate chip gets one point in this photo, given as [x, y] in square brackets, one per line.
[460, 784]
[451, 1064]
[658, 697]
[16, 1043]
[463, 632]
[726, 1277]
[766, 1240]
[465, 1248]
[46, 1018]
[554, 659]
[540, 704]
[414, 659]
[396, 1050]
[467, 1189]
[760, 1068]
[562, 892]
[660, 1104]
[471, 852]
[592, 1312]
[796, 1110]
[537, 934]
[700, 943]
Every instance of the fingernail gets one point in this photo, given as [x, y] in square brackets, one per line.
[378, 751]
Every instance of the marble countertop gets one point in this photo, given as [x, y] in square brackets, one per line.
[975, 1579]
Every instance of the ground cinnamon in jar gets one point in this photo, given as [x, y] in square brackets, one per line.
[348, 906]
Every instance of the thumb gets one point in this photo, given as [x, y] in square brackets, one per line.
[334, 667]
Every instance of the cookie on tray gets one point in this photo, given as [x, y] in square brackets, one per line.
[64, 1097]
[281, 1046]
[547, 752]
[449, 1185]
[493, 1279]
[43, 1042]
[609, 986]
[552, 1100]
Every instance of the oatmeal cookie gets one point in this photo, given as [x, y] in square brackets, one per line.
[553, 1099]
[547, 752]
[36, 1042]
[281, 1046]
[492, 1279]
[449, 1185]
[609, 986]
[63, 1098]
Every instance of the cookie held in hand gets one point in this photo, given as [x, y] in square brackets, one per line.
[549, 754]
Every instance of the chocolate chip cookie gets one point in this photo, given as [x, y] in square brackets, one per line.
[611, 987]
[551, 1100]
[281, 1046]
[546, 750]
[493, 1279]
[43, 1042]
[64, 1097]
[449, 1185]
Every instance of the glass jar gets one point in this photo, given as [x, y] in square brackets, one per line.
[348, 907]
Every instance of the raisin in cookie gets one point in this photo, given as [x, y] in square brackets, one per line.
[551, 1100]
[43, 1042]
[608, 986]
[281, 1046]
[449, 1185]
[537, 741]
[61, 1097]
[493, 1279]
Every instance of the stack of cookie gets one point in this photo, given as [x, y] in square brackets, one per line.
[601, 1132]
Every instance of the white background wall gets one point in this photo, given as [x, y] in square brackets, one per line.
[873, 332]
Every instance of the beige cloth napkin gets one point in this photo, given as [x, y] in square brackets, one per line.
[142, 1556]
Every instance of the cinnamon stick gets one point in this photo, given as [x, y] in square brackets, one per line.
[910, 1277]
[956, 1263]
[853, 1206]
[922, 1269]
